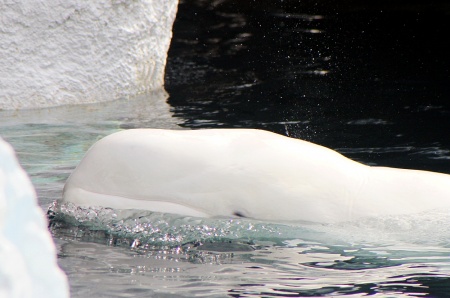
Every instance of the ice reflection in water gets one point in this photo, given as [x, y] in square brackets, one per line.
[51, 142]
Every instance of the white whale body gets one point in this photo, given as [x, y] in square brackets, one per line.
[245, 172]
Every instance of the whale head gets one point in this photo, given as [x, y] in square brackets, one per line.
[244, 173]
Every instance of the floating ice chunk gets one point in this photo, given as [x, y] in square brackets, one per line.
[28, 265]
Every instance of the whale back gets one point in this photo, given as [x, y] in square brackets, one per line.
[220, 172]
[244, 172]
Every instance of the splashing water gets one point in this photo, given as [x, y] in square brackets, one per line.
[152, 228]
[171, 253]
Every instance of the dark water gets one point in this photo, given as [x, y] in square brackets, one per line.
[369, 79]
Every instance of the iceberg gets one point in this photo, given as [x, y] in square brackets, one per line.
[28, 266]
[58, 52]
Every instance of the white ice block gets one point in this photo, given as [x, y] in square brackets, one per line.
[58, 52]
[28, 266]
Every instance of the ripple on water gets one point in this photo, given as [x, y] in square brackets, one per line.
[238, 258]
[143, 227]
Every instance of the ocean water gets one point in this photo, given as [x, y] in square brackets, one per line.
[368, 80]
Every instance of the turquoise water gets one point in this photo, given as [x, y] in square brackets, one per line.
[50, 142]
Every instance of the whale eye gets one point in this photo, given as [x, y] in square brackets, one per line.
[239, 214]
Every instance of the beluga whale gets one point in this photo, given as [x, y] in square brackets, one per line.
[245, 173]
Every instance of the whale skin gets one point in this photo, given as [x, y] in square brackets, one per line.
[246, 173]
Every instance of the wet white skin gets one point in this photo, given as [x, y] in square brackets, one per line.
[245, 172]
